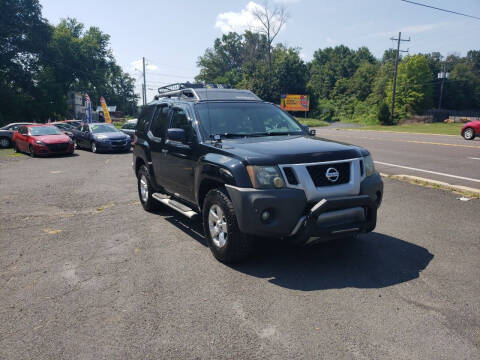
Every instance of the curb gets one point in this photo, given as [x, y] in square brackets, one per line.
[397, 132]
[459, 189]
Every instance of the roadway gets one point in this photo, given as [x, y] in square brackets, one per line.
[450, 159]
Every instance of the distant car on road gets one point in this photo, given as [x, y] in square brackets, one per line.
[41, 140]
[66, 128]
[6, 133]
[470, 130]
[129, 129]
[77, 124]
[101, 137]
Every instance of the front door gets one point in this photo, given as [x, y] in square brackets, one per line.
[156, 139]
[179, 156]
[22, 139]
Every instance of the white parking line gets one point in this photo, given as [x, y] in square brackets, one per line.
[428, 171]
[474, 158]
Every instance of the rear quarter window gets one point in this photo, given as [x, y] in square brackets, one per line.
[144, 119]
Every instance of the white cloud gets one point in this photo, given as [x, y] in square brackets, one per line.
[411, 29]
[287, 1]
[329, 40]
[242, 20]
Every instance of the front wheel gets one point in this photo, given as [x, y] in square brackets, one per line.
[146, 190]
[31, 151]
[227, 243]
[468, 133]
[93, 147]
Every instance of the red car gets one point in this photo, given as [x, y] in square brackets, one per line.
[41, 140]
[470, 130]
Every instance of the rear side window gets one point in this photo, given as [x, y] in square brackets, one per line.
[159, 122]
[144, 118]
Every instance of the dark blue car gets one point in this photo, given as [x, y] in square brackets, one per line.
[101, 137]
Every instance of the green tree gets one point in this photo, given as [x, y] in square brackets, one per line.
[414, 87]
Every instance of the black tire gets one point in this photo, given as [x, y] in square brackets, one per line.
[468, 133]
[31, 151]
[5, 142]
[148, 203]
[15, 149]
[75, 144]
[93, 147]
[238, 245]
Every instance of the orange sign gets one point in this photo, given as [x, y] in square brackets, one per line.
[106, 114]
[290, 102]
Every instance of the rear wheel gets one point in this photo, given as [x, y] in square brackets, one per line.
[468, 133]
[227, 243]
[146, 190]
[4, 142]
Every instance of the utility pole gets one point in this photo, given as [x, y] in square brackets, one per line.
[442, 75]
[144, 84]
[392, 112]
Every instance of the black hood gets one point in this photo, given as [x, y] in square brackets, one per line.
[289, 150]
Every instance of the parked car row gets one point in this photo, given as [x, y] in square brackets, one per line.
[64, 137]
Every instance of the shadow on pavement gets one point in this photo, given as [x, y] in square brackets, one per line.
[372, 261]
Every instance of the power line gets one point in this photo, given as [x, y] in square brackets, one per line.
[436, 8]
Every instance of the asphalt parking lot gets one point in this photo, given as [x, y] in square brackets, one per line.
[85, 273]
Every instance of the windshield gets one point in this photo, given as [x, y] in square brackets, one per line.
[103, 128]
[245, 119]
[44, 130]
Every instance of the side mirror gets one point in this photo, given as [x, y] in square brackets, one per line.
[312, 132]
[176, 135]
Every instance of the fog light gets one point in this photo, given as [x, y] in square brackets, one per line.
[266, 215]
[278, 182]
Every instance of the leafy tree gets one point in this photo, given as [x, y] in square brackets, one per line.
[383, 114]
[414, 86]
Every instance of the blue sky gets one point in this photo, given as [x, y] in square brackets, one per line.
[172, 34]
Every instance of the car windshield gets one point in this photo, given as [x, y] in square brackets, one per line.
[76, 125]
[103, 128]
[231, 119]
[44, 130]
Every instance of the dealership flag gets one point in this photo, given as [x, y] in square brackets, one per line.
[106, 114]
[88, 109]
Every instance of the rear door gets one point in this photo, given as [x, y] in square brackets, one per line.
[179, 156]
[156, 139]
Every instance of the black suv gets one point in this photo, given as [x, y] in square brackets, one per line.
[251, 170]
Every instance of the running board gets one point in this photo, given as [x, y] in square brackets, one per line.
[175, 205]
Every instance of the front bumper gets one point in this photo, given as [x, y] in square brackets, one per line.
[293, 216]
[45, 150]
[101, 146]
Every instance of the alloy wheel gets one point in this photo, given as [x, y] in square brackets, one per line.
[468, 134]
[217, 225]
[143, 189]
[94, 147]
[4, 142]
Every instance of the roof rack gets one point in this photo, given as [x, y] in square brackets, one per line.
[196, 91]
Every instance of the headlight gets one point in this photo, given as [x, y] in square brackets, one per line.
[266, 177]
[38, 142]
[369, 166]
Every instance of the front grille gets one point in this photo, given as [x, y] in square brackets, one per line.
[58, 147]
[119, 142]
[318, 174]
[291, 178]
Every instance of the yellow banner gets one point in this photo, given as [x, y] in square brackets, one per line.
[106, 114]
[290, 102]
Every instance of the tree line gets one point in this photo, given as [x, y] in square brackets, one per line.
[40, 63]
[344, 84]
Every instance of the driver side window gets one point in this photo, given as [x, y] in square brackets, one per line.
[181, 121]
[85, 128]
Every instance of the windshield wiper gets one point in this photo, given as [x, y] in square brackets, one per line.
[275, 133]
